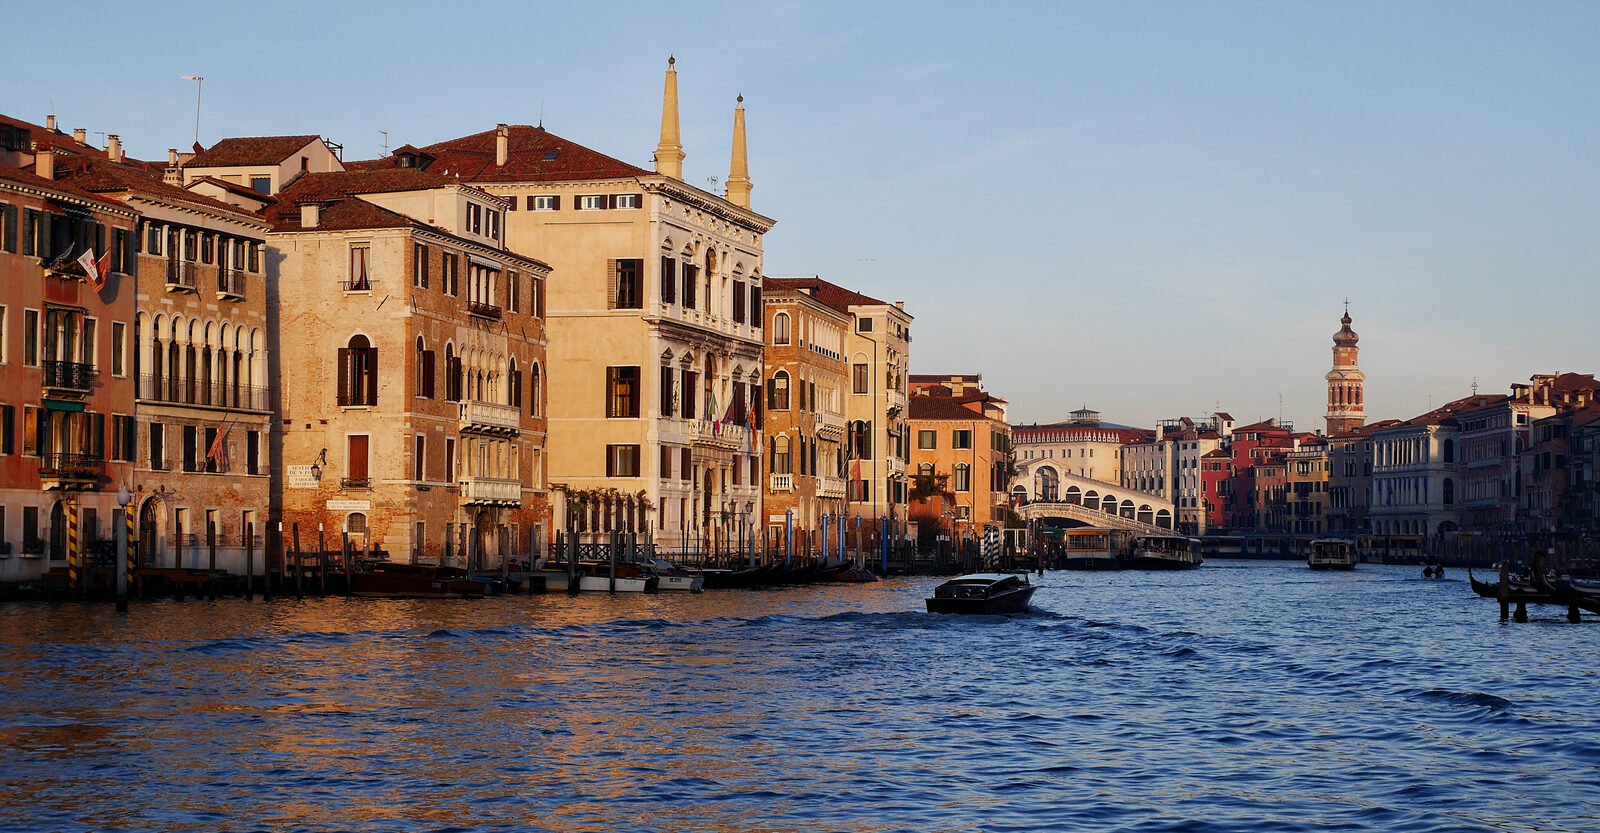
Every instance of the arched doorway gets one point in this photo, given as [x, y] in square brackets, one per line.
[58, 531]
[149, 548]
[483, 529]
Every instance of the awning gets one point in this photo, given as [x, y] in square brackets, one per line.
[58, 405]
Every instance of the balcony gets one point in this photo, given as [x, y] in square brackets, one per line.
[830, 487]
[355, 482]
[59, 470]
[490, 418]
[215, 394]
[781, 483]
[359, 285]
[895, 399]
[230, 285]
[70, 378]
[483, 310]
[726, 436]
[896, 466]
[830, 426]
[491, 491]
[181, 276]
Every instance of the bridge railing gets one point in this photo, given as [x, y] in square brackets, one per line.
[1094, 517]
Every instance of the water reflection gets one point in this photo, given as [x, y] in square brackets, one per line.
[1252, 697]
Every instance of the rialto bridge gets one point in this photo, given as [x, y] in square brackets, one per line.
[1043, 491]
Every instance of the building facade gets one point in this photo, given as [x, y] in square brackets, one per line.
[1347, 404]
[961, 432]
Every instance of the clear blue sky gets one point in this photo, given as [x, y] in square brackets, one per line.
[1154, 208]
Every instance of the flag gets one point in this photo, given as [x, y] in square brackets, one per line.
[219, 450]
[103, 266]
[90, 268]
[64, 257]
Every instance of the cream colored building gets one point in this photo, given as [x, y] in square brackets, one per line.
[413, 357]
[878, 428]
[654, 319]
[263, 164]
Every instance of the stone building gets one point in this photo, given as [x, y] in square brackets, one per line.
[1347, 404]
[66, 375]
[1168, 464]
[1306, 470]
[413, 386]
[960, 431]
[1350, 479]
[655, 324]
[803, 419]
[1494, 435]
[1084, 446]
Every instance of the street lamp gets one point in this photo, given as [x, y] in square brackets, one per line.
[123, 499]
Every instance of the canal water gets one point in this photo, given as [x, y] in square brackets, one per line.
[1237, 697]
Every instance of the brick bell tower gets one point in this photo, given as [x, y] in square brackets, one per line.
[1347, 403]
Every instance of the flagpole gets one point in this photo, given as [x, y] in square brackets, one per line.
[199, 84]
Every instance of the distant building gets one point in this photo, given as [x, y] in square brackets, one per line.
[1083, 446]
[960, 431]
[1346, 383]
[1168, 464]
[1306, 471]
[1350, 479]
[1492, 438]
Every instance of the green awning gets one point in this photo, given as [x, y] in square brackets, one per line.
[58, 405]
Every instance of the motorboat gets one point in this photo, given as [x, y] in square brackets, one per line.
[1094, 548]
[670, 576]
[1332, 554]
[1164, 552]
[384, 579]
[996, 593]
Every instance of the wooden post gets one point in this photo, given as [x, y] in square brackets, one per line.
[299, 566]
[249, 562]
[616, 541]
[344, 548]
[211, 547]
[1504, 591]
[266, 558]
[322, 563]
[572, 562]
[75, 569]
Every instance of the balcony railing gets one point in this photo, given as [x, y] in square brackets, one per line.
[491, 490]
[181, 276]
[896, 466]
[355, 482]
[830, 425]
[184, 392]
[70, 377]
[830, 487]
[490, 417]
[362, 285]
[483, 310]
[356, 399]
[230, 284]
[62, 466]
[781, 483]
[725, 435]
[895, 399]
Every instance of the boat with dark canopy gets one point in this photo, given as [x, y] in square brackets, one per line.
[996, 593]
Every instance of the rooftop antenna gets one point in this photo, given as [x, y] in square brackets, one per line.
[1474, 386]
[1280, 409]
[199, 84]
[712, 181]
[385, 144]
[541, 114]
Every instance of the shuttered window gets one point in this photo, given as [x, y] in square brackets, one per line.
[625, 283]
[669, 280]
[622, 392]
[668, 376]
[691, 274]
[622, 461]
[358, 373]
[738, 302]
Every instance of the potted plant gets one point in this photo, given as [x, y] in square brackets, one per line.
[34, 546]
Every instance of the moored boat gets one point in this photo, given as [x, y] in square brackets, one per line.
[670, 576]
[996, 593]
[1331, 554]
[1094, 548]
[382, 579]
[1164, 552]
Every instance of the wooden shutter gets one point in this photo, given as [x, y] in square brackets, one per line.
[738, 302]
[666, 391]
[683, 461]
[669, 280]
[427, 373]
[755, 307]
[372, 376]
[10, 222]
[666, 463]
[344, 376]
[611, 461]
[611, 284]
[555, 202]
[358, 456]
[30, 429]
[130, 440]
[97, 435]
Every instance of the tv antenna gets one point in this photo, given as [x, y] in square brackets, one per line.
[199, 84]
[385, 144]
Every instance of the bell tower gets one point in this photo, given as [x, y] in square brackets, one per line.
[1347, 404]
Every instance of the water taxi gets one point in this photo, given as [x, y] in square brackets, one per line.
[995, 593]
[1094, 548]
[1332, 554]
[1164, 552]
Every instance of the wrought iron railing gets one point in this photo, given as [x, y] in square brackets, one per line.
[230, 282]
[181, 276]
[73, 376]
[75, 466]
[362, 285]
[483, 310]
[193, 392]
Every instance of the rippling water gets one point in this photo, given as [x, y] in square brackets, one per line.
[1240, 696]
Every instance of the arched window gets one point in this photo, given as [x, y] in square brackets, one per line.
[424, 370]
[962, 481]
[780, 454]
[355, 523]
[778, 391]
[1449, 490]
[514, 385]
[358, 373]
[535, 392]
[925, 470]
[780, 328]
[452, 374]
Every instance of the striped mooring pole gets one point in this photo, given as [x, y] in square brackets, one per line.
[74, 557]
[133, 547]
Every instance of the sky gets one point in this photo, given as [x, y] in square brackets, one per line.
[1154, 209]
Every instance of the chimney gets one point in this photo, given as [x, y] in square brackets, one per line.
[310, 215]
[172, 157]
[502, 145]
[44, 162]
[50, 122]
[80, 135]
[114, 147]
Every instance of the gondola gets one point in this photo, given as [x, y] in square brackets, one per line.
[1567, 592]
[1518, 592]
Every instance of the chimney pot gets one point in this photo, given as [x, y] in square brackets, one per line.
[502, 145]
[114, 147]
[80, 135]
[44, 162]
[50, 122]
[310, 215]
[172, 157]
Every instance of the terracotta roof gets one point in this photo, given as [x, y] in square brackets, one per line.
[31, 179]
[54, 138]
[104, 177]
[236, 188]
[829, 294]
[249, 150]
[1264, 425]
[1224, 415]
[1586, 416]
[1367, 430]
[933, 408]
[333, 190]
[535, 155]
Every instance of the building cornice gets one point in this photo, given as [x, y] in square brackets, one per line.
[105, 204]
[706, 201]
[189, 208]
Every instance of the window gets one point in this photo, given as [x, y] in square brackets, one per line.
[474, 218]
[858, 378]
[190, 440]
[627, 284]
[124, 442]
[592, 202]
[261, 184]
[622, 392]
[208, 248]
[8, 233]
[535, 392]
[625, 201]
[927, 440]
[158, 450]
[513, 291]
[962, 480]
[425, 370]
[779, 463]
[667, 379]
[452, 374]
[252, 452]
[863, 325]
[118, 342]
[30, 337]
[419, 459]
[537, 297]
[738, 302]
[685, 464]
[3, 351]
[544, 203]
[691, 274]
[360, 275]
[780, 328]
[961, 438]
[778, 392]
[622, 461]
[449, 459]
[688, 393]
[356, 470]
[419, 266]
[358, 373]
[755, 307]
[8, 429]
[449, 275]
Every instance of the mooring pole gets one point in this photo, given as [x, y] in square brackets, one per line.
[299, 565]
[249, 562]
[572, 562]
[123, 498]
[344, 548]
[1504, 590]
[211, 569]
[322, 562]
[616, 541]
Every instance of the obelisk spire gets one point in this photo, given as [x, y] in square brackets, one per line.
[669, 154]
[739, 168]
